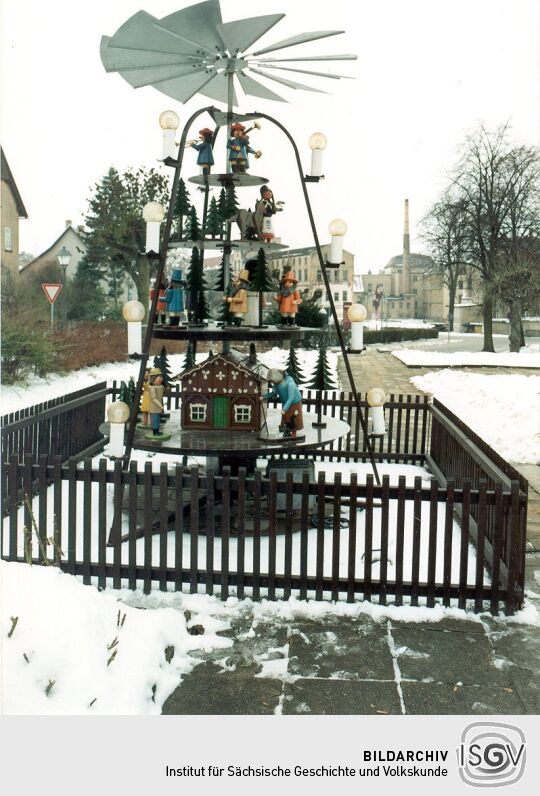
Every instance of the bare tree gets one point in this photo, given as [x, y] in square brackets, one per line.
[444, 231]
[497, 184]
[517, 283]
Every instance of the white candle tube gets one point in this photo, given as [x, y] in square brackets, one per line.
[377, 420]
[152, 236]
[316, 162]
[134, 337]
[169, 146]
[116, 439]
[336, 249]
[357, 336]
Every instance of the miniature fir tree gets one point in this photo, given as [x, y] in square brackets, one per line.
[222, 205]
[213, 222]
[161, 361]
[181, 207]
[196, 286]
[131, 391]
[321, 380]
[124, 395]
[231, 204]
[219, 282]
[292, 366]
[189, 361]
[193, 231]
[261, 281]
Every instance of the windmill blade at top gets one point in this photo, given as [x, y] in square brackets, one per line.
[302, 38]
[263, 65]
[241, 34]
[193, 51]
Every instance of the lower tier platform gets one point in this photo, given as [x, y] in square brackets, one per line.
[224, 445]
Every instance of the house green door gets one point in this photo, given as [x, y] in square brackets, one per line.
[220, 412]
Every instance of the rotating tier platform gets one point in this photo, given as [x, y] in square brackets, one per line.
[242, 245]
[227, 180]
[224, 445]
[250, 334]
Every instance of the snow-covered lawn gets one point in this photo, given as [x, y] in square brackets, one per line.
[504, 410]
[417, 358]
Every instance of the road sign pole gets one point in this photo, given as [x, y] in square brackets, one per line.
[52, 316]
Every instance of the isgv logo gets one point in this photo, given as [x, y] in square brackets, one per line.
[491, 754]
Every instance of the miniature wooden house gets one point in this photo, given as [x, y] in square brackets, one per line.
[222, 395]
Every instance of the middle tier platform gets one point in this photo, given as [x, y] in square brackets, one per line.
[228, 180]
[250, 334]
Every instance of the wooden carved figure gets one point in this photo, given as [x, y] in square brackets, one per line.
[265, 208]
[155, 403]
[237, 298]
[288, 299]
[286, 391]
[238, 146]
[173, 297]
[205, 158]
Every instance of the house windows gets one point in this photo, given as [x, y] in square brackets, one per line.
[242, 413]
[345, 295]
[336, 297]
[319, 276]
[198, 412]
[8, 239]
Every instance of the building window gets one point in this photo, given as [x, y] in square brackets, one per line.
[415, 279]
[305, 275]
[460, 284]
[197, 413]
[336, 296]
[345, 295]
[242, 413]
[370, 287]
[319, 276]
[8, 239]
[415, 291]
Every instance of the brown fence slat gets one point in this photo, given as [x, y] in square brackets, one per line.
[448, 534]
[417, 530]
[480, 546]
[353, 522]
[368, 549]
[241, 532]
[272, 529]
[210, 519]
[179, 526]
[194, 530]
[147, 529]
[319, 557]
[132, 525]
[304, 527]
[400, 537]
[257, 497]
[432, 543]
[383, 564]
[87, 519]
[513, 544]
[102, 523]
[42, 507]
[288, 535]
[464, 543]
[225, 529]
[163, 525]
[118, 494]
[72, 515]
[336, 535]
[13, 490]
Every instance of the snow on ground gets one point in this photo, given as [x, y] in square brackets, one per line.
[399, 323]
[503, 410]
[440, 359]
[38, 390]
[55, 660]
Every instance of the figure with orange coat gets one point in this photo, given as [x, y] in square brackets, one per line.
[161, 306]
[237, 298]
[288, 299]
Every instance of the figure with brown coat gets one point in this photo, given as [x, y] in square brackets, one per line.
[237, 298]
[155, 403]
[288, 299]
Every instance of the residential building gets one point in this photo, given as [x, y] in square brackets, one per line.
[12, 209]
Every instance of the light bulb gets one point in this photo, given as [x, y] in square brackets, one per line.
[337, 227]
[153, 211]
[317, 141]
[169, 120]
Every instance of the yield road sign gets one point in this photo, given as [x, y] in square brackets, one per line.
[51, 291]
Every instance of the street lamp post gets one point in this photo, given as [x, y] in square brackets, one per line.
[64, 258]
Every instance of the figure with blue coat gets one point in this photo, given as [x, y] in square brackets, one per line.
[174, 297]
[286, 390]
[238, 146]
[205, 158]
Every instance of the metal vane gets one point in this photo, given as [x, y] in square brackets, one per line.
[194, 52]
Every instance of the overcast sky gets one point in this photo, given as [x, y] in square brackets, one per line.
[428, 71]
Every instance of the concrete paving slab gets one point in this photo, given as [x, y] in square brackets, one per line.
[444, 699]
[207, 691]
[517, 652]
[344, 649]
[447, 657]
[340, 697]
[448, 623]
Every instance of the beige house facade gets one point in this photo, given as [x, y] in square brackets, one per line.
[12, 210]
